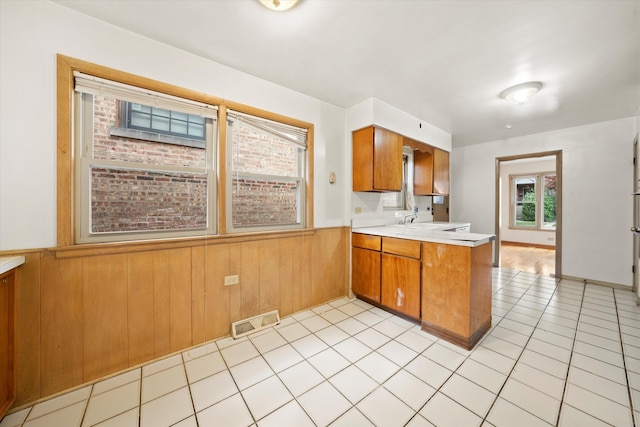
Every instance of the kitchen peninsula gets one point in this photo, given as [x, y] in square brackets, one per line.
[439, 278]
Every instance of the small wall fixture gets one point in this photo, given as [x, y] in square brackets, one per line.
[279, 5]
[521, 93]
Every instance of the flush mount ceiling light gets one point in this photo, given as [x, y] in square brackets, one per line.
[521, 93]
[279, 5]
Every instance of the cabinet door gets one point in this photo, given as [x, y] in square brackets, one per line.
[423, 172]
[440, 172]
[387, 160]
[362, 164]
[401, 284]
[365, 273]
[7, 352]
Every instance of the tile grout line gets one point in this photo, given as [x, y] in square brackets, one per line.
[557, 284]
[186, 376]
[624, 361]
[573, 345]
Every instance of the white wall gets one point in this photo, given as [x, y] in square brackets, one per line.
[521, 167]
[33, 32]
[597, 186]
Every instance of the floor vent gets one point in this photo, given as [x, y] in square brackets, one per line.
[254, 324]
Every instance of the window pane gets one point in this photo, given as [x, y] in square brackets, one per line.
[525, 192]
[139, 200]
[160, 123]
[179, 116]
[178, 126]
[196, 130]
[267, 182]
[140, 120]
[119, 148]
[258, 202]
[549, 201]
[259, 152]
[393, 201]
[161, 112]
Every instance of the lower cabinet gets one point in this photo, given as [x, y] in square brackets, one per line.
[7, 342]
[401, 284]
[456, 292]
[386, 271]
[365, 275]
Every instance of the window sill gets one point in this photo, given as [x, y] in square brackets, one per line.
[550, 230]
[95, 249]
[156, 137]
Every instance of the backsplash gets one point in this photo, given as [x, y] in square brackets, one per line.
[367, 211]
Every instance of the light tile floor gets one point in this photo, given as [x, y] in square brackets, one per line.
[565, 355]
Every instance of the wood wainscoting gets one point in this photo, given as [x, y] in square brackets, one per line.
[84, 316]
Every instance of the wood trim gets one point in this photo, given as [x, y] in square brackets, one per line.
[141, 246]
[66, 65]
[221, 171]
[64, 173]
[527, 245]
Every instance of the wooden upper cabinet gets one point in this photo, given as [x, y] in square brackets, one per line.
[377, 160]
[440, 172]
[431, 172]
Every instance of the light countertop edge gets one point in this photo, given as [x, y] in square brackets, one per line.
[430, 236]
[9, 262]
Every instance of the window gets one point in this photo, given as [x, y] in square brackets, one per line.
[533, 201]
[266, 175]
[140, 187]
[397, 201]
[148, 122]
[120, 184]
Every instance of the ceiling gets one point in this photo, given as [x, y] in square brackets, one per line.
[444, 62]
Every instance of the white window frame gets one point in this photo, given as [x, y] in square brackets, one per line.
[86, 88]
[293, 134]
[539, 190]
[399, 201]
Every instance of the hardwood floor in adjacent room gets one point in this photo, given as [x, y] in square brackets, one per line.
[528, 258]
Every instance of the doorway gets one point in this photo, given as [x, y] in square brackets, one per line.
[509, 206]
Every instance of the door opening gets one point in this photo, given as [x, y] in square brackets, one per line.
[528, 212]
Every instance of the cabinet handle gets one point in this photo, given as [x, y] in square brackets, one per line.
[5, 281]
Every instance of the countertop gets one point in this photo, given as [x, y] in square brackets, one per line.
[429, 232]
[9, 262]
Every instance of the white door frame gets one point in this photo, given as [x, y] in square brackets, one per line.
[636, 223]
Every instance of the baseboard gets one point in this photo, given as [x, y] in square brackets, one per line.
[596, 282]
[528, 245]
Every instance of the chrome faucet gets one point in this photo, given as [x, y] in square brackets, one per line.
[406, 220]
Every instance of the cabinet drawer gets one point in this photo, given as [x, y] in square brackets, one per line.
[366, 241]
[403, 247]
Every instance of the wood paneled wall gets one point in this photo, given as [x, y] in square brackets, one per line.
[84, 317]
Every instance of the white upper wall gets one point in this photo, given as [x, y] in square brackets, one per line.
[33, 32]
[597, 207]
[375, 111]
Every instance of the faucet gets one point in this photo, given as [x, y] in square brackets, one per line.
[406, 220]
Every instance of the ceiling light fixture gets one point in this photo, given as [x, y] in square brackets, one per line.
[279, 5]
[521, 93]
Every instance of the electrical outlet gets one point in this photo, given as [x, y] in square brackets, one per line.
[551, 239]
[358, 210]
[231, 280]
